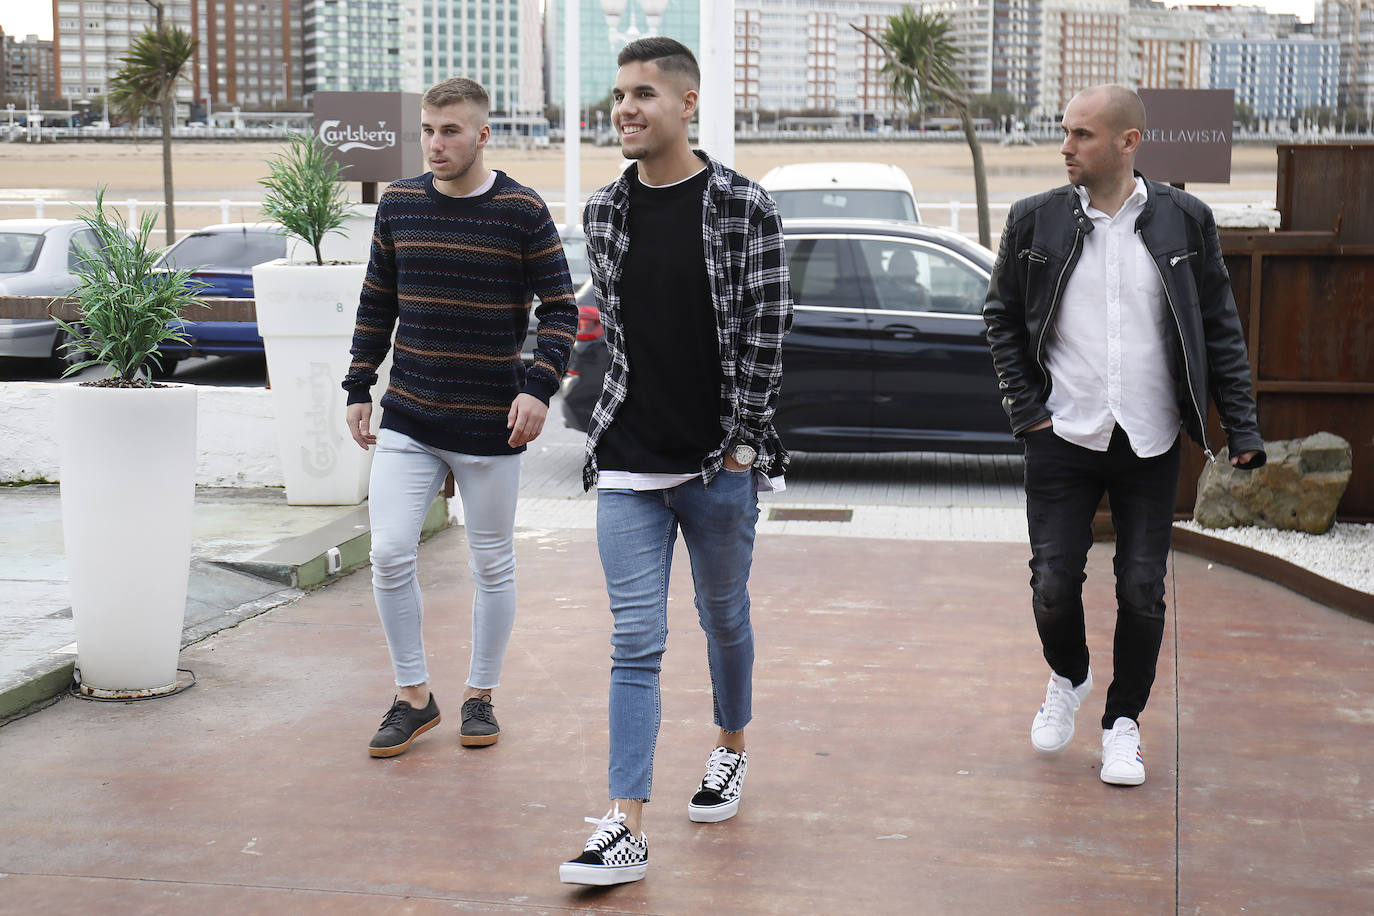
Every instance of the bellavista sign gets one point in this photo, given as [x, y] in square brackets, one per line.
[1187, 135]
[375, 134]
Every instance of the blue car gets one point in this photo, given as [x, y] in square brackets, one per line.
[222, 257]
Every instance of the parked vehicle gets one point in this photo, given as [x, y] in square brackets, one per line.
[861, 190]
[39, 257]
[888, 350]
[222, 256]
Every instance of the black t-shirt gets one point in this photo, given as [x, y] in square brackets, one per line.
[671, 418]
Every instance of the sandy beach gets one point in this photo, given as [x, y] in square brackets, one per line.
[211, 171]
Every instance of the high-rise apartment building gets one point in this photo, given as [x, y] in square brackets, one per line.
[1278, 78]
[1350, 22]
[91, 36]
[495, 42]
[1168, 48]
[27, 76]
[352, 45]
[1082, 43]
[251, 54]
[604, 27]
[748, 58]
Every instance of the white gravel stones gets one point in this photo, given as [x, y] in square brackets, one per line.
[1344, 554]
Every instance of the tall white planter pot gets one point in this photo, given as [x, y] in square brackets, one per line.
[305, 316]
[128, 461]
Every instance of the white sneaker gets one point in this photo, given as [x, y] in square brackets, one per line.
[611, 856]
[1052, 729]
[1122, 762]
[717, 799]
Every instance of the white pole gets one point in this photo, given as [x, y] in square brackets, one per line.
[716, 117]
[572, 111]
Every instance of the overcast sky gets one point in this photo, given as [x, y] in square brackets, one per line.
[22, 19]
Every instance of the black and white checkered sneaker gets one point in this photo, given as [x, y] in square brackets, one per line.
[611, 856]
[718, 797]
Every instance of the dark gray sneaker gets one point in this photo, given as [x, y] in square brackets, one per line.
[479, 723]
[401, 725]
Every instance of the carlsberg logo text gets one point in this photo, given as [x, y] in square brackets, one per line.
[354, 136]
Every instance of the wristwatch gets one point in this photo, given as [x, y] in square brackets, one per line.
[744, 455]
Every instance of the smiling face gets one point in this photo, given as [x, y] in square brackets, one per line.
[452, 138]
[651, 111]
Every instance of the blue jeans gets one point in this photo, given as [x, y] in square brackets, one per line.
[635, 531]
[406, 476]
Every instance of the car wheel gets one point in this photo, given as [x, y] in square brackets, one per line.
[64, 356]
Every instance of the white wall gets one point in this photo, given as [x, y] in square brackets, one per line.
[236, 441]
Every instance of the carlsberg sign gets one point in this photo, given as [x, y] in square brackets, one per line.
[375, 134]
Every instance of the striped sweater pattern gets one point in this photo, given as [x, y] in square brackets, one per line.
[454, 277]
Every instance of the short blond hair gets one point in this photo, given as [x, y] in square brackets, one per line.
[457, 89]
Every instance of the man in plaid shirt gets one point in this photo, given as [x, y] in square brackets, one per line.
[691, 277]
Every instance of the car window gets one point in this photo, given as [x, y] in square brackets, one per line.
[816, 267]
[83, 245]
[575, 251]
[18, 252]
[866, 204]
[224, 249]
[922, 278]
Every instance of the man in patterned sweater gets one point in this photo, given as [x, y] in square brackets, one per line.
[691, 276]
[456, 255]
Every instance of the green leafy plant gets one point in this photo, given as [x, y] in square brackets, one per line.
[304, 191]
[127, 308]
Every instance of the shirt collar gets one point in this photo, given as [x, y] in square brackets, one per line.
[1136, 199]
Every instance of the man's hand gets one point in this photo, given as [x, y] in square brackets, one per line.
[359, 421]
[730, 464]
[526, 419]
[1244, 458]
[1043, 424]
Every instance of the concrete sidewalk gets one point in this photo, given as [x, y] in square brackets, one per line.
[890, 766]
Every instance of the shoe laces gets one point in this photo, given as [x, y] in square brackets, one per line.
[1121, 745]
[608, 828]
[479, 708]
[719, 767]
[397, 713]
[1060, 703]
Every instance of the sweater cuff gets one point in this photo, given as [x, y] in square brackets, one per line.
[539, 386]
[359, 396]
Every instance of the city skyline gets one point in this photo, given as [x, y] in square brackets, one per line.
[38, 20]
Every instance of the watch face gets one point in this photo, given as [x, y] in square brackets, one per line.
[744, 454]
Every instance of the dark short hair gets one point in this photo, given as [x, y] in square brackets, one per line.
[454, 90]
[671, 56]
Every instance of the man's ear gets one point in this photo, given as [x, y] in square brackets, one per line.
[689, 104]
[1130, 141]
[483, 136]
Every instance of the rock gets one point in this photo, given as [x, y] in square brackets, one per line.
[1296, 490]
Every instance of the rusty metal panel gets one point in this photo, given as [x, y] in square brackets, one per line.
[1328, 186]
[1317, 319]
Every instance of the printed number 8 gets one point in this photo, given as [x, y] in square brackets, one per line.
[338, 306]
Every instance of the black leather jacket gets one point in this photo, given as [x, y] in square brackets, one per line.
[1039, 248]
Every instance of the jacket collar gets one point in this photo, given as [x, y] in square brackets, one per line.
[1084, 223]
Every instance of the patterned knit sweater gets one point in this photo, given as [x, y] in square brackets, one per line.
[454, 277]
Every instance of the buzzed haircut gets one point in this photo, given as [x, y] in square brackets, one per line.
[457, 89]
[1126, 108]
[672, 57]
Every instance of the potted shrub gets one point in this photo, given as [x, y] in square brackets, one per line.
[306, 311]
[127, 452]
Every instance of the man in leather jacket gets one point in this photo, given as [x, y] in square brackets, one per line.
[1111, 320]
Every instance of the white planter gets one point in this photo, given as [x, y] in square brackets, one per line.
[305, 316]
[128, 460]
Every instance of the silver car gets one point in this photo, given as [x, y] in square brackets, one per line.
[39, 257]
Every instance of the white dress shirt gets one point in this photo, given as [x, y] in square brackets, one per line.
[1109, 354]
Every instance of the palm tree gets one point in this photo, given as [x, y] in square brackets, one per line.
[147, 80]
[920, 61]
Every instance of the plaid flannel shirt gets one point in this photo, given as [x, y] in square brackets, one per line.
[746, 266]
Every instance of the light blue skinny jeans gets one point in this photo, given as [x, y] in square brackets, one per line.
[635, 531]
[406, 476]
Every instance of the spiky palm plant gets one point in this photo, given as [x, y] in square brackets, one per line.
[127, 308]
[304, 191]
[147, 81]
[920, 61]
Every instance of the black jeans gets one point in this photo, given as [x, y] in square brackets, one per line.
[1064, 485]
